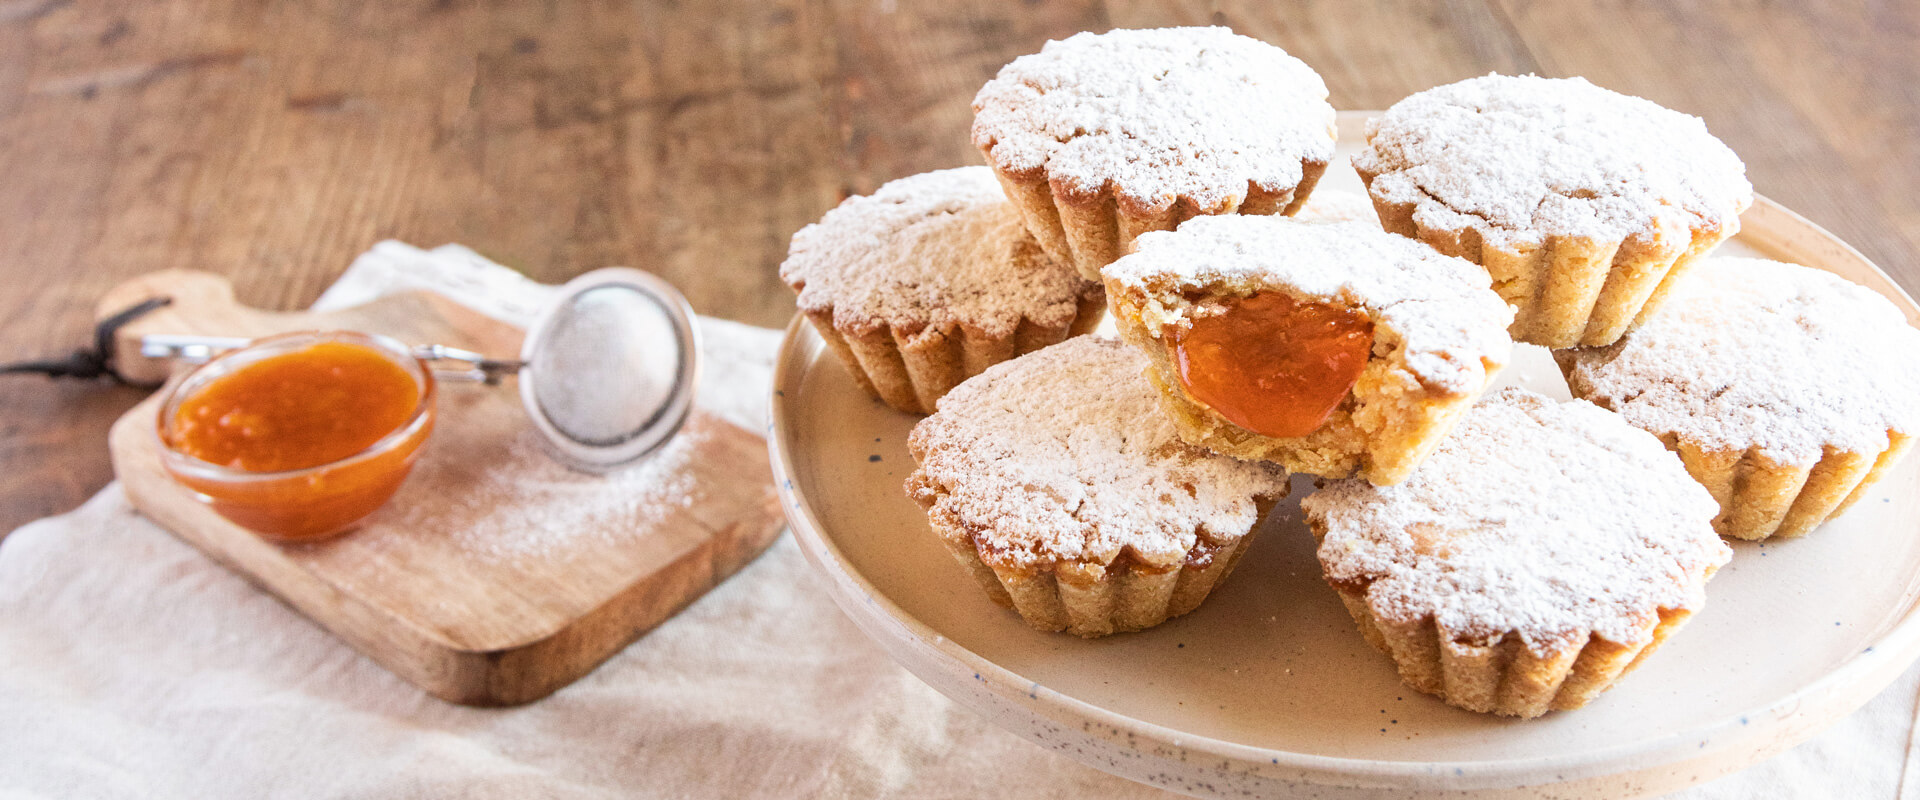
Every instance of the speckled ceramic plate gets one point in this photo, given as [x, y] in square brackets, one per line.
[1267, 689]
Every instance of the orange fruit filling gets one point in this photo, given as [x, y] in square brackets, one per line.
[296, 410]
[1272, 365]
[312, 425]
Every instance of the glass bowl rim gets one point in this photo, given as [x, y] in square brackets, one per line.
[181, 387]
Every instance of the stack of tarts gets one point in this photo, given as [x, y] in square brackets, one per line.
[1509, 553]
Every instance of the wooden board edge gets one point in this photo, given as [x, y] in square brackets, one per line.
[491, 677]
[603, 633]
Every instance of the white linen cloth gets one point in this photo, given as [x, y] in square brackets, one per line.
[131, 666]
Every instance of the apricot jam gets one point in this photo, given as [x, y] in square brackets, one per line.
[1272, 365]
[298, 437]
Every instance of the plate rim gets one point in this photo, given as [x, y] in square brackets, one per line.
[1821, 701]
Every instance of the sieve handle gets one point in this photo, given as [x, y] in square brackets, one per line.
[471, 367]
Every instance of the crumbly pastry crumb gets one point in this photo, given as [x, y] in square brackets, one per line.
[1797, 379]
[928, 280]
[1540, 552]
[1099, 137]
[1058, 482]
[1439, 331]
[1583, 203]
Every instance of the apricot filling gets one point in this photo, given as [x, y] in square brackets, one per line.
[1272, 365]
[296, 410]
[299, 436]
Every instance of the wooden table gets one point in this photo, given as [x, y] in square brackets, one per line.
[273, 142]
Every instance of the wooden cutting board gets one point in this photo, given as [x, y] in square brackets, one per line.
[494, 576]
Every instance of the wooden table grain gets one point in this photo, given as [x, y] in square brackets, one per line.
[273, 141]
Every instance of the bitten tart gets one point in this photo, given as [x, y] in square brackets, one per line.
[1330, 348]
[1583, 204]
[1544, 550]
[1787, 390]
[1101, 137]
[1057, 482]
[930, 280]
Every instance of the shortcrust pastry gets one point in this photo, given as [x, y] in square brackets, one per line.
[1787, 390]
[1101, 137]
[930, 280]
[1056, 480]
[1543, 551]
[1583, 204]
[1330, 348]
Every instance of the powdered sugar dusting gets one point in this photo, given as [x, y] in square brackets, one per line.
[1442, 309]
[1333, 205]
[521, 505]
[1750, 353]
[486, 491]
[1157, 115]
[1064, 455]
[1520, 158]
[927, 253]
[1545, 519]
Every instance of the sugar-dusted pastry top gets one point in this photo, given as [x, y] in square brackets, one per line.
[1520, 158]
[1156, 115]
[1749, 353]
[929, 252]
[1063, 455]
[1547, 519]
[1333, 205]
[1438, 309]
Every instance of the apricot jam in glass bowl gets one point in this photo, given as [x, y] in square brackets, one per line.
[297, 437]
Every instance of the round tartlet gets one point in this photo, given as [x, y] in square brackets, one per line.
[930, 280]
[1583, 204]
[1543, 551]
[1787, 390]
[1439, 334]
[1101, 137]
[1057, 482]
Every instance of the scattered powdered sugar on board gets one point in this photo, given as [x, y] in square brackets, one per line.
[1064, 455]
[1520, 158]
[1442, 309]
[486, 489]
[1749, 353]
[1549, 520]
[1156, 116]
[523, 505]
[928, 253]
[483, 488]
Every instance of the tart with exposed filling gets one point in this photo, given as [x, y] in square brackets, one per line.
[1335, 348]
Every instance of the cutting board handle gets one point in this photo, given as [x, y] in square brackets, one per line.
[202, 303]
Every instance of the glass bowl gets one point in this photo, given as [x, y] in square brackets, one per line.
[312, 503]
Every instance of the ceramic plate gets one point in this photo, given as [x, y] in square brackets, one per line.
[1267, 688]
